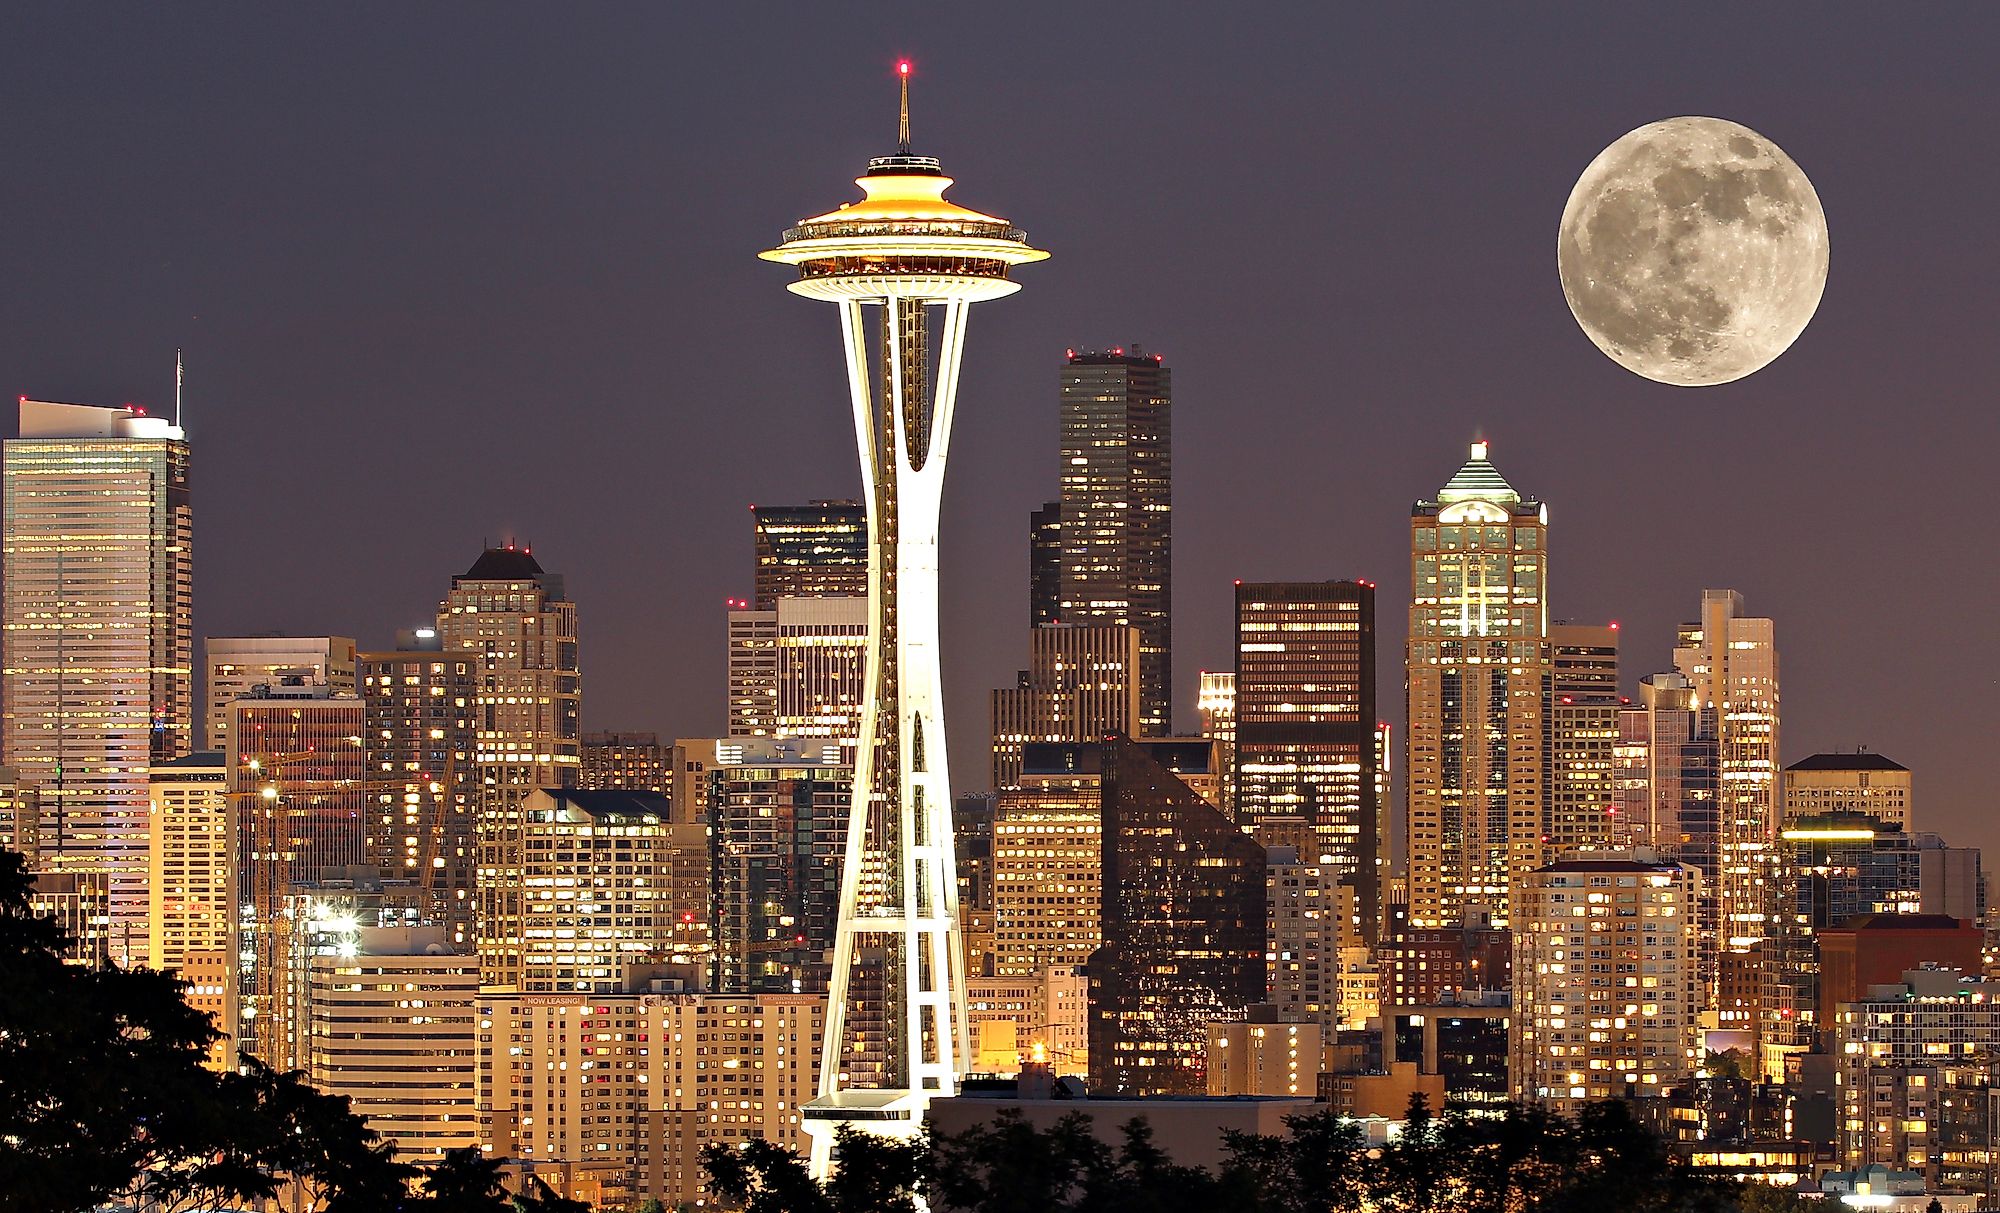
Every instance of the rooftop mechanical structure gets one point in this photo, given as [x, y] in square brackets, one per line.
[904, 265]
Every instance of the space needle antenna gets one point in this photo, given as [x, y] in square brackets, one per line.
[903, 127]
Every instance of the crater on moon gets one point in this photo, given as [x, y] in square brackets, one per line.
[1693, 251]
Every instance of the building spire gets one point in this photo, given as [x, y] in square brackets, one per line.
[903, 128]
[177, 389]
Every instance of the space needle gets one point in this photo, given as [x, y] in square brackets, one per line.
[888, 261]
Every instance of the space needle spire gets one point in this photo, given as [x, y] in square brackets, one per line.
[904, 266]
[903, 126]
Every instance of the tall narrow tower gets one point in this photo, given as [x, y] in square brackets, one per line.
[1478, 675]
[903, 250]
[98, 644]
[1116, 526]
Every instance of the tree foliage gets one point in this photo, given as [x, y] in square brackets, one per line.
[1513, 1159]
[871, 1175]
[104, 1097]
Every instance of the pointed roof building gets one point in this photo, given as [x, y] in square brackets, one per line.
[1478, 480]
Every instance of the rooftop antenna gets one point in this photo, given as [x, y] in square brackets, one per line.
[903, 129]
[177, 389]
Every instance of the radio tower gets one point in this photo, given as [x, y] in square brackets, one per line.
[899, 252]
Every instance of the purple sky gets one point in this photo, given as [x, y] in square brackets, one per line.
[460, 272]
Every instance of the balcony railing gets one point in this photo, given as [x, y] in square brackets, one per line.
[916, 227]
[856, 267]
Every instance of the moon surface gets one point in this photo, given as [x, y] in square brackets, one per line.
[1693, 251]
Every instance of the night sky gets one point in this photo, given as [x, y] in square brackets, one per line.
[447, 273]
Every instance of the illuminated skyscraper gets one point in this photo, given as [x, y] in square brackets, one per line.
[393, 1025]
[1305, 931]
[1305, 722]
[587, 1090]
[98, 654]
[796, 670]
[1117, 509]
[520, 627]
[1587, 1024]
[903, 250]
[422, 784]
[1583, 735]
[810, 551]
[297, 777]
[1668, 775]
[237, 664]
[1478, 673]
[1048, 864]
[193, 884]
[595, 863]
[1848, 783]
[1048, 855]
[1732, 662]
[1081, 684]
[1217, 708]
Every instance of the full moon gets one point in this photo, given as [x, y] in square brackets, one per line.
[1693, 251]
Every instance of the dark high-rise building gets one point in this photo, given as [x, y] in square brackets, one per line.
[1582, 720]
[628, 762]
[1305, 722]
[422, 781]
[1045, 563]
[819, 550]
[1422, 965]
[777, 841]
[1835, 867]
[1183, 923]
[1117, 509]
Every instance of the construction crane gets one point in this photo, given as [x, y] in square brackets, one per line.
[430, 839]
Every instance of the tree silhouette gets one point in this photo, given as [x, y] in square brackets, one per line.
[106, 1095]
[871, 1175]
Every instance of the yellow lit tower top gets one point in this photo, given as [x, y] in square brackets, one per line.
[904, 239]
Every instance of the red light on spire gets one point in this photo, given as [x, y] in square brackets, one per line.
[902, 67]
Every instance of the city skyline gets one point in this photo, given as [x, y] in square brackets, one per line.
[1655, 495]
[1604, 889]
